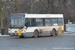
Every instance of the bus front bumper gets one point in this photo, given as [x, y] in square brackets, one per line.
[22, 34]
[15, 34]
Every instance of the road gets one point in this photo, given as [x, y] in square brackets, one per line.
[60, 42]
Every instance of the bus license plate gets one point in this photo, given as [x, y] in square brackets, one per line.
[15, 33]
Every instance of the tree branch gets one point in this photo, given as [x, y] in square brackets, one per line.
[43, 4]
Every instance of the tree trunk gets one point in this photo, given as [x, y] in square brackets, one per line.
[16, 6]
[1, 18]
[49, 6]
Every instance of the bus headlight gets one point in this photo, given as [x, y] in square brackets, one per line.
[9, 31]
[23, 30]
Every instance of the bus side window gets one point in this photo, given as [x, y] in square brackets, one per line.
[30, 22]
[39, 22]
[26, 22]
[60, 21]
[33, 22]
[48, 22]
[54, 22]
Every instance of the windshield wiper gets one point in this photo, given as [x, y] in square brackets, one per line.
[13, 26]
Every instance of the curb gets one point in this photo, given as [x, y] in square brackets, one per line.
[4, 35]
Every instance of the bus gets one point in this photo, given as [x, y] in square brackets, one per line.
[36, 25]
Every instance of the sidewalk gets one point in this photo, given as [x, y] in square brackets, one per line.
[3, 35]
[69, 32]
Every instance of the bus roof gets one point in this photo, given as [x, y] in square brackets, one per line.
[18, 14]
[40, 15]
[43, 15]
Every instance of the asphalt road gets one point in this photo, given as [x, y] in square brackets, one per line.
[60, 42]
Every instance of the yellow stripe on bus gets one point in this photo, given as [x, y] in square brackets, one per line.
[19, 32]
[60, 30]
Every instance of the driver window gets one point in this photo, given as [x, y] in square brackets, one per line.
[26, 22]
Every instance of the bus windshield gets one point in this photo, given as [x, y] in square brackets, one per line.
[16, 21]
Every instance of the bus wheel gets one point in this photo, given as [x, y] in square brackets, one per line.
[36, 34]
[53, 33]
[21, 36]
[56, 33]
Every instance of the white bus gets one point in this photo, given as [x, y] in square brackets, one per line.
[36, 25]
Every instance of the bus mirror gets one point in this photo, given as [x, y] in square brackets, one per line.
[25, 27]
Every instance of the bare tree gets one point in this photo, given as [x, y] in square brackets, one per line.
[49, 6]
[1, 18]
[16, 6]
